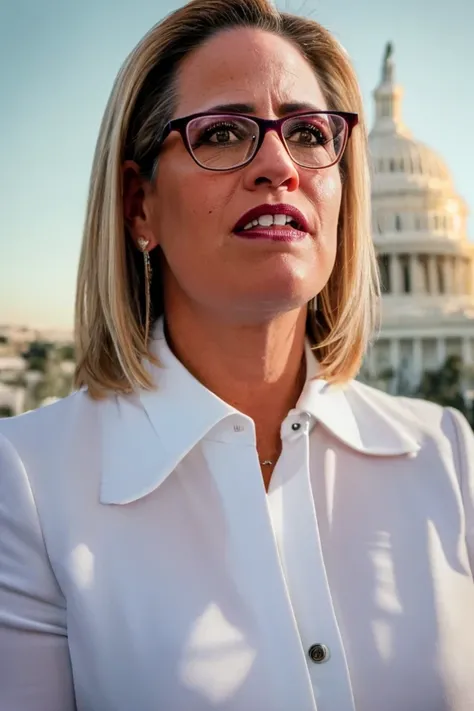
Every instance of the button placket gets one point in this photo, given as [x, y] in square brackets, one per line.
[295, 426]
[297, 533]
[255, 566]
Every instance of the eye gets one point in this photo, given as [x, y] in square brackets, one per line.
[222, 134]
[308, 134]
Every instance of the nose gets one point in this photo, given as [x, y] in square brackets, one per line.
[272, 166]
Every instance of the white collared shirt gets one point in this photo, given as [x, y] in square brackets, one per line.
[138, 547]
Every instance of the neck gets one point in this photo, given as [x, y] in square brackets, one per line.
[256, 368]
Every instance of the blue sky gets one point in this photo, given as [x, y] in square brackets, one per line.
[58, 60]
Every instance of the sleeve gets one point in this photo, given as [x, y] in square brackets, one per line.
[35, 670]
[464, 450]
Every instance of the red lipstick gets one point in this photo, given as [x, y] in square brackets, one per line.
[294, 228]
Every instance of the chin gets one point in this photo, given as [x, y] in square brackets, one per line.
[294, 285]
[281, 295]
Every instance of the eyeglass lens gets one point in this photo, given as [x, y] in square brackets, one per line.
[222, 142]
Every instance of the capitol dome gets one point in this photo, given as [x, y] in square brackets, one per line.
[399, 153]
[426, 261]
[395, 154]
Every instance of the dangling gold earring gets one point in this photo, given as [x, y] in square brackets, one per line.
[142, 245]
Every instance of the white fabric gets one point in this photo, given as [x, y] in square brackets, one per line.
[143, 566]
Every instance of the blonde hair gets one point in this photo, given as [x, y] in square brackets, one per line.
[110, 310]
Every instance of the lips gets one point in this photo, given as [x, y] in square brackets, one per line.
[298, 222]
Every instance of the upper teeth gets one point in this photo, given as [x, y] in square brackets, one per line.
[269, 220]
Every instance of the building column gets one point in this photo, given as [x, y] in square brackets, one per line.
[433, 274]
[417, 361]
[395, 276]
[466, 275]
[441, 348]
[454, 261]
[416, 286]
[457, 276]
[448, 271]
[451, 275]
[461, 275]
[413, 275]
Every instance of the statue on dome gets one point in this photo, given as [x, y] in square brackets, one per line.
[388, 70]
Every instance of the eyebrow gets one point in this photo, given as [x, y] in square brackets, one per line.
[283, 109]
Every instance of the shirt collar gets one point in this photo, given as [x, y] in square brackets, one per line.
[146, 435]
[353, 417]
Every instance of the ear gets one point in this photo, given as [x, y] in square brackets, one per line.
[137, 212]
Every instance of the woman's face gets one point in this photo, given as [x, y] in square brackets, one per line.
[192, 212]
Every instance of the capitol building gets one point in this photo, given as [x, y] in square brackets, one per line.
[425, 258]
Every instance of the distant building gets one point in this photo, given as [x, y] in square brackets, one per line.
[426, 260]
[11, 367]
[67, 367]
[12, 400]
[22, 335]
[33, 372]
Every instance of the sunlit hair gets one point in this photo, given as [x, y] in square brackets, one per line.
[110, 308]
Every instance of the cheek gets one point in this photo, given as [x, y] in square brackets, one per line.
[326, 195]
[176, 209]
[329, 192]
[188, 203]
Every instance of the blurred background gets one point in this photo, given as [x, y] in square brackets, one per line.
[415, 65]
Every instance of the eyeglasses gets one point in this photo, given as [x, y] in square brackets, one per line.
[223, 142]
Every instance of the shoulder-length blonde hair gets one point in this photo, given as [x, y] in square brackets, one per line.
[110, 309]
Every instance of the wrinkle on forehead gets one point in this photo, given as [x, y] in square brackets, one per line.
[246, 66]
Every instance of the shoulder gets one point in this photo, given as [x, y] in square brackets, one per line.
[67, 448]
[52, 458]
[395, 404]
[54, 447]
[443, 436]
[424, 420]
[45, 429]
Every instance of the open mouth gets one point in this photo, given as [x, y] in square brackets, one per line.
[272, 217]
[267, 221]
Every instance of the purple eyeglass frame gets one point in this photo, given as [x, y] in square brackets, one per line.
[181, 124]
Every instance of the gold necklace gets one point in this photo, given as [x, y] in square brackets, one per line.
[266, 463]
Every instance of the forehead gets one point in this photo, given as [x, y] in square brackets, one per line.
[246, 66]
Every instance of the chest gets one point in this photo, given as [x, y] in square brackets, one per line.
[208, 591]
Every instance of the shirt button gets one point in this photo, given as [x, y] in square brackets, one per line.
[296, 426]
[319, 653]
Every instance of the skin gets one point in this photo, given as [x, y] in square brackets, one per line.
[235, 308]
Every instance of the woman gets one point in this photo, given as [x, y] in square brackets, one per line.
[221, 517]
